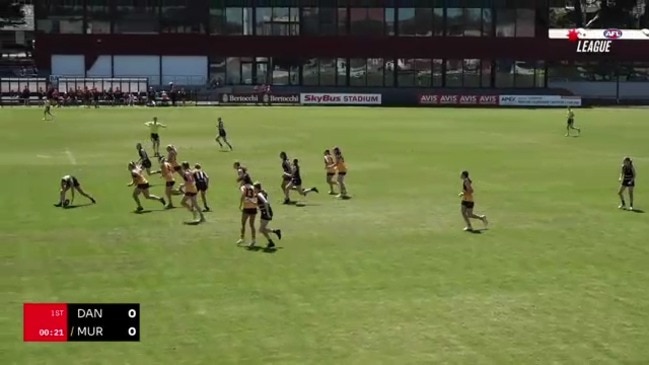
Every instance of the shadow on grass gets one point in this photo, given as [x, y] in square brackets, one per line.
[143, 212]
[262, 249]
[78, 206]
[637, 211]
[477, 230]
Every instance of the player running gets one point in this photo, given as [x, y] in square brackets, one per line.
[266, 215]
[627, 180]
[144, 159]
[154, 127]
[47, 110]
[222, 135]
[570, 123]
[202, 184]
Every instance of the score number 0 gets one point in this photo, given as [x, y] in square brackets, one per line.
[132, 313]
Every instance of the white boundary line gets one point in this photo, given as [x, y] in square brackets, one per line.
[43, 156]
[71, 157]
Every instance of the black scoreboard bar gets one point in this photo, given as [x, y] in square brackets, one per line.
[103, 322]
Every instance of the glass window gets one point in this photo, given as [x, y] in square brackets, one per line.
[328, 21]
[423, 72]
[62, 16]
[328, 71]
[136, 17]
[263, 19]
[540, 74]
[342, 67]
[438, 21]
[454, 22]
[487, 22]
[415, 22]
[262, 75]
[560, 15]
[310, 21]
[285, 71]
[217, 71]
[182, 16]
[389, 15]
[525, 22]
[524, 74]
[438, 70]
[357, 72]
[471, 74]
[405, 72]
[473, 22]
[454, 73]
[366, 21]
[486, 73]
[310, 72]
[342, 21]
[98, 17]
[506, 22]
[233, 71]
[217, 21]
[234, 21]
[374, 72]
[246, 73]
[389, 70]
[504, 74]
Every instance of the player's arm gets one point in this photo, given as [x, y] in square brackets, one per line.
[621, 174]
[133, 176]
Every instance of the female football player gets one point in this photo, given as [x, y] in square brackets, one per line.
[341, 170]
[222, 135]
[330, 171]
[296, 181]
[202, 184]
[266, 215]
[70, 183]
[248, 207]
[141, 186]
[144, 160]
[627, 178]
[189, 200]
[287, 173]
[468, 203]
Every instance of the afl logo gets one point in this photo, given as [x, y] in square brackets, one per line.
[612, 33]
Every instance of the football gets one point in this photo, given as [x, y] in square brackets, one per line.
[66, 203]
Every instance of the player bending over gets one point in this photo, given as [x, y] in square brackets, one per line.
[70, 183]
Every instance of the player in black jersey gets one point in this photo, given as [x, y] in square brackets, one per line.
[222, 135]
[202, 183]
[287, 173]
[627, 178]
[144, 160]
[69, 182]
[263, 204]
[296, 181]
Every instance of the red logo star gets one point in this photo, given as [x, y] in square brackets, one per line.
[573, 35]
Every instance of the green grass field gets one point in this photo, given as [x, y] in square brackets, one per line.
[388, 277]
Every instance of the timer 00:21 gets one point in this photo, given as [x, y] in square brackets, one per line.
[54, 333]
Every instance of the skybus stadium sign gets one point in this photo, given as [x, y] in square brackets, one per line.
[597, 40]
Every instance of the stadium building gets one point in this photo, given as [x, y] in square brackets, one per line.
[477, 44]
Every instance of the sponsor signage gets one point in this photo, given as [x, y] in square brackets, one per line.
[610, 34]
[257, 98]
[340, 99]
[457, 99]
[539, 100]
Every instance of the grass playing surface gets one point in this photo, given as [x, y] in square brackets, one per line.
[387, 277]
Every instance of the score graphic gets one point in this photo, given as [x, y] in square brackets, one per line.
[61, 322]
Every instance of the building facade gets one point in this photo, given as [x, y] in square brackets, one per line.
[346, 43]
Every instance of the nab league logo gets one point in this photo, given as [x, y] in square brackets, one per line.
[593, 45]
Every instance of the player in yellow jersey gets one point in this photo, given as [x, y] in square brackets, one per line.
[341, 171]
[172, 158]
[154, 128]
[167, 173]
[570, 122]
[468, 203]
[141, 186]
[330, 171]
[248, 208]
[190, 189]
